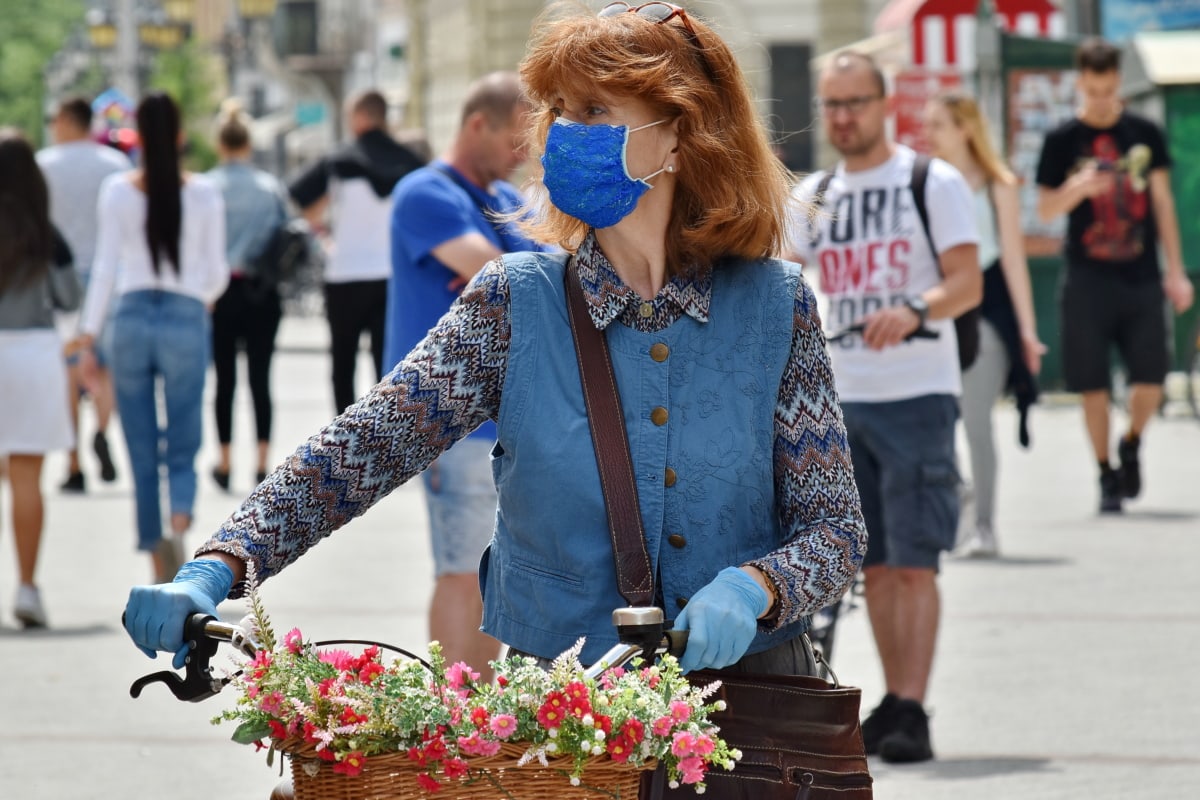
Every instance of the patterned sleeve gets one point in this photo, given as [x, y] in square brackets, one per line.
[818, 503]
[445, 388]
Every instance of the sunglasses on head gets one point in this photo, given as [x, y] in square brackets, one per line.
[659, 13]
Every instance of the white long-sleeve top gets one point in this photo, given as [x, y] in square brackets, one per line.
[122, 263]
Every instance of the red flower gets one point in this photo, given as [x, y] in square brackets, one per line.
[370, 671]
[480, 717]
[603, 723]
[501, 681]
[551, 714]
[326, 754]
[435, 750]
[349, 717]
[428, 783]
[578, 702]
[351, 763]
[277, 729]
[418, 755]
[620, 747]
[454, 768]
[634, 730]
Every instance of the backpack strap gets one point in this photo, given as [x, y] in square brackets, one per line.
[916, 185]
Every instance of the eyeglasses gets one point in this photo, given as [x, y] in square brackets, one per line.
[656, 12]
[659, 13]
[854, 105]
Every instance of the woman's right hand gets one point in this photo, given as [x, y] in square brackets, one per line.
[1032, 349]
[154, 615]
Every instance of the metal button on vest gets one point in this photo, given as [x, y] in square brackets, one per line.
[677, 541]
[646, 310]
[681, 601]
[669, 478]
[659, 352]
[659, 416]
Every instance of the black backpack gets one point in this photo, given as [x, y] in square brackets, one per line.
[284, 255]
[966, 325]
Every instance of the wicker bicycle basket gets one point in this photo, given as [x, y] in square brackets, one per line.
[393, 776]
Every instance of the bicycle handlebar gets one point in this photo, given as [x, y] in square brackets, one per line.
[640, 630]
[919, 333]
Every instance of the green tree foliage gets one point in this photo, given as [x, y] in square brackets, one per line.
[190, 75]
[30, 34]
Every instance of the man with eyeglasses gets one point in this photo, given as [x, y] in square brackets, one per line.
[894, 289]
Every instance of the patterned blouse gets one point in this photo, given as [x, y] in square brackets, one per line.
[451, 383]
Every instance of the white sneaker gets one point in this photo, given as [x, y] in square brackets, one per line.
[29, 611]
[982, 544]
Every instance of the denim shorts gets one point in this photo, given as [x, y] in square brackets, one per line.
[903, 454]
[460, 496]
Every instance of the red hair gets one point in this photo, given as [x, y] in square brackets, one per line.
[731, 192]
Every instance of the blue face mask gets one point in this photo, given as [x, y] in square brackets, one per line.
[586, 172]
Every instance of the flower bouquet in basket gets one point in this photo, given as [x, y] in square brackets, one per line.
[358, 725]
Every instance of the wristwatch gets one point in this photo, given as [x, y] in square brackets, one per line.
[920, 307]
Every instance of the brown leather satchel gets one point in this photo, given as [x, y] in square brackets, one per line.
[800, 736]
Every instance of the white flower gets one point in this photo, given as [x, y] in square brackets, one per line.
[735, 754]
[674, 784]
[641, 702]
[551, 747]
[587, 720]
[700, 789]
[553, 733]
[597, 750]
[603, 700]
[599, 735]
[574, 780]
[720, 704]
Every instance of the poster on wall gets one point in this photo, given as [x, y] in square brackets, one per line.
[1121, 19]
[1038, 101]
[913, 89]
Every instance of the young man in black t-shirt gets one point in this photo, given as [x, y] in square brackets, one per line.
[1107, 169]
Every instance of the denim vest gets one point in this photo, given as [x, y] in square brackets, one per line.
[705, 475]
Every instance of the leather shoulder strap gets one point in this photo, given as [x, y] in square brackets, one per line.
[607, 423]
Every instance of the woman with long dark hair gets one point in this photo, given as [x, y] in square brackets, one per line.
[36, 278]
[161, 253]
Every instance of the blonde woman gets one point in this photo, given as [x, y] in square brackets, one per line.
[1010, 353]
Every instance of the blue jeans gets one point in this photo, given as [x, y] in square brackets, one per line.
[159, 352]
[460, 496]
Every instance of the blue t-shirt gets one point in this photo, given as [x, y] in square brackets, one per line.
[429, 208]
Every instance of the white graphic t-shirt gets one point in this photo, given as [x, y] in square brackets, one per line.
[867, 251]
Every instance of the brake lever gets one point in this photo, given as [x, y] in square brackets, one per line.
[198, 682]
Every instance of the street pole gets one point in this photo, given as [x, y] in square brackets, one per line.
[125, 75]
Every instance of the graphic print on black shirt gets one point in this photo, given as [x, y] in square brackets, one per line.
[1117, 231]
[1116, 228]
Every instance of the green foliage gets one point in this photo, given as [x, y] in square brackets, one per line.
[190, 75]
[30, 34]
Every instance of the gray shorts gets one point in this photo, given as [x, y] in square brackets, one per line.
[903, 453]
[460, 496]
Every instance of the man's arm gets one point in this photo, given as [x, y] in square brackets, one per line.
[467, 254]
[1175, 281]
[1086, 183]
[961, 289]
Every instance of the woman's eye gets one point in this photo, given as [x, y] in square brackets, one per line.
[595, 111]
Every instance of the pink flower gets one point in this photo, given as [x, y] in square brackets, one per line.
[691, 770]
[293, 641]
[662, 726]
[704, 745]
[340, 660]
[680, 711]
[459, 675]
[272, 704]
[683, 744]
[473, 745]
[503, 725]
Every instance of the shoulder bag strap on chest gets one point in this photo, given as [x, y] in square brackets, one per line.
[607, 423]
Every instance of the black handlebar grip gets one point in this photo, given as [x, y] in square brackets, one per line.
[676, 642]
[193, 626]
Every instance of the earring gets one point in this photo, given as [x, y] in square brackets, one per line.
[670, 167]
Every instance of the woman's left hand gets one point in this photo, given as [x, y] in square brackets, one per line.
[721, 620]
[1032, 349]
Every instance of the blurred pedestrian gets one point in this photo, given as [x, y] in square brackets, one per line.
[354, 187]
[1010, 353]
[248, 313]
[1108, 170]
[36, 278]
[161, 252]
[893, 283]
[75, 166]
[445, 228]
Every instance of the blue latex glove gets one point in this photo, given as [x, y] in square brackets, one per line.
[154, 615]
[721, 620]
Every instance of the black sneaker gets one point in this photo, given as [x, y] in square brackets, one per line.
[73, 484]
[260, 476]
[1110, 491]
[108, 470]
[879, 723]
[909, 740]
[221, 476]
[1130, 471]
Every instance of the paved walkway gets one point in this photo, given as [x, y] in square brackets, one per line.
[1066, 669]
